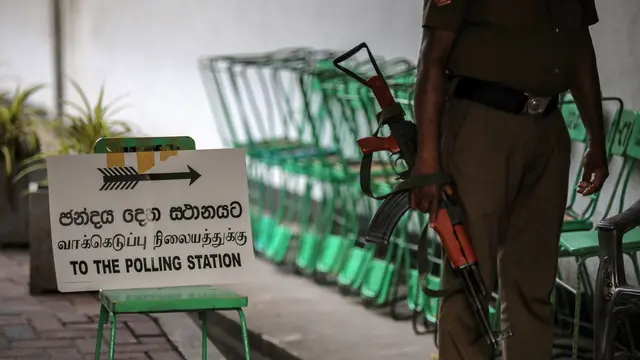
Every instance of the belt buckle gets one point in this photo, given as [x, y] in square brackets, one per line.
[536, 105]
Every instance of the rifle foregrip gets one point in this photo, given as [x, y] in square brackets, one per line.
[386, 217]
[455, 240]
[372, 144]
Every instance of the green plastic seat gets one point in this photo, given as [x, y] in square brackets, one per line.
[277, 248]
[308, 251]
[358, 258]
[570, 224]
[378, 281]
[582, 245]
[332, 251]
[335, 247]
[353, 271]
[382, 273]
[585, 243]
[198, 299]
[432, 305]
[265, 227]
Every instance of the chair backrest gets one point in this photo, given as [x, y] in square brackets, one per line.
[572, 118]
[578, 134]
[625, 144]
[614, 298]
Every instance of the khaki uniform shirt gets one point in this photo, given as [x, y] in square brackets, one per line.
[528, 45]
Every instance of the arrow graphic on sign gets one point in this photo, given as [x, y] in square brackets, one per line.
[126, 178]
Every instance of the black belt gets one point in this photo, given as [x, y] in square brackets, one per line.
[504, 98]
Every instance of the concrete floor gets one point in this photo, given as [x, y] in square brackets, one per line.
[314, 322]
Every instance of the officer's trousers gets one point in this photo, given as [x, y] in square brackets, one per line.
[511, 174]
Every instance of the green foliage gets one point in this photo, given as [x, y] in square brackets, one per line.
[17, 126]
[78, 132]
[79, 129]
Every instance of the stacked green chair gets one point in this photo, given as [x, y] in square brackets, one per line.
[360, 268]
[278, 231]
[302, 167]
[296, 157]
[578, 214]
[583, 245]
[362, 111]
[324, 254]
[332, 248]
[382, 274]
[576, 219]
[331, 173]
[223, 79]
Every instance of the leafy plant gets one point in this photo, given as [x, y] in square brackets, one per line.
[17, 127]
[79, 129]
[78, 132]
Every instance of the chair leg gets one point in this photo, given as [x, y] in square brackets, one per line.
[245, 335]
[112, 338]
[576, 314]
[104, 316]
[203, 325]
[606, 328]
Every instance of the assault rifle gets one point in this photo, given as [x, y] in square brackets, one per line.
[403, 142]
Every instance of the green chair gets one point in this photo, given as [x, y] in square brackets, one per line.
[353, 105]
[176, 299]
[232, 107]
[340, 174]
[583, 245]
[577, 219]
[379, 277]
[265, 132]
[303, 164]
[579, 213]
[382, 274]
[277, 230]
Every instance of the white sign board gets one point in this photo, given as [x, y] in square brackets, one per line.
[184, 220]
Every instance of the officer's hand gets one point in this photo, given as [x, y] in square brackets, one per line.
[595, 171]
[426, 198]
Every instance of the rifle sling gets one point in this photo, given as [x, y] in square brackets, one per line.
[424, 270]
[407, 185]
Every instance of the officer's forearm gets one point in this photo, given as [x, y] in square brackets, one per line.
[586, 91]
[430, 92]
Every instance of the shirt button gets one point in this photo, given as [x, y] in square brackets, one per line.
[557, 30]
[556, 70]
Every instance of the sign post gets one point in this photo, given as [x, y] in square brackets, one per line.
[152, 229]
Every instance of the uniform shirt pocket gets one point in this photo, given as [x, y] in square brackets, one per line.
[514, 13]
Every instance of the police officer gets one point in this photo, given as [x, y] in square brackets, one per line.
[486, 105]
